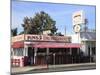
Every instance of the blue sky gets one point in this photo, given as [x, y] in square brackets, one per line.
[61, 13]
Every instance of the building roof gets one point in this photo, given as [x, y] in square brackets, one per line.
[88, 36]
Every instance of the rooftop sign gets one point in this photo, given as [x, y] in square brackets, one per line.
[18, 38]
[30, 37]
[48, 38]
[78, 18]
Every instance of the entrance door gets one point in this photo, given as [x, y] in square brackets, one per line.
[30, 56]
[41, 56]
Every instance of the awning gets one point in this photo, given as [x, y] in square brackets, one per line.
[46, 45]
[17, 45]
[57, 45]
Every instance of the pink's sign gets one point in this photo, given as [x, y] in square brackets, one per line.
[48, 38]
[45, 38]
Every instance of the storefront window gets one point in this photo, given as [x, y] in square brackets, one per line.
[18, 52]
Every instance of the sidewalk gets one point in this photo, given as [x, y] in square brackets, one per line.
[71, 65]
[29, 68]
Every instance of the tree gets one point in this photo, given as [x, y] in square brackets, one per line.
[14, 32]
[39, 23]
[59, 34]
[21, 33]
[27, 25]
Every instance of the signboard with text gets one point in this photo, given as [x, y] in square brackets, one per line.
[18, 38]
[44, 38]
[48, 38]
[78, 18]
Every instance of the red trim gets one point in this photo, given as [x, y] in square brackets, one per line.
[47, 45]
[57, 45]
[18, 45]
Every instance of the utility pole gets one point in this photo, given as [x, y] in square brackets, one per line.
[65, 30]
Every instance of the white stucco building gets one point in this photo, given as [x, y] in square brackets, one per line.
[88, 41]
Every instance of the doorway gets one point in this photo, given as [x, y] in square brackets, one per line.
[30, 56]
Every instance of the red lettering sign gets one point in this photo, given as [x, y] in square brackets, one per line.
[47, 38]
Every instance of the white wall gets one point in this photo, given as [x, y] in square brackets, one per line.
[75, 38]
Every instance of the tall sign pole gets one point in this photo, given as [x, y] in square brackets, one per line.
[78, 20]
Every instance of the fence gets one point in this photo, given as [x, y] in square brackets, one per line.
[53, 59]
